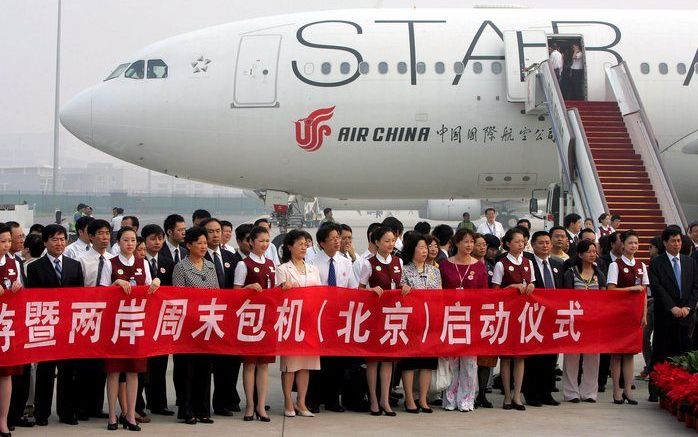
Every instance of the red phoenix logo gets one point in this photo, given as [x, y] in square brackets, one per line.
[310, 131]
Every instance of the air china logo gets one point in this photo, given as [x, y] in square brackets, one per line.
[310, 131]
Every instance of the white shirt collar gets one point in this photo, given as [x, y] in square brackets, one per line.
[216, 250]
[258, 259]
[671, 257]
[627, 261]
[541, 260]
[387, 260]
[149, 257]
[171, 246]
[53, 260]
[92, 252]
[127, 262]
[516, 260]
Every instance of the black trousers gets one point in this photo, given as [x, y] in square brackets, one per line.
[91, 380]
[154, 383]
[604, 369]
[194, 393]
[67, 392]
[226, 369]
[577, 84]
[20, 395]
[327, 384]
[539, 378]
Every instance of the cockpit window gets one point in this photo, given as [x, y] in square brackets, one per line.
[157, 69]
[135, 71]
[117, 72]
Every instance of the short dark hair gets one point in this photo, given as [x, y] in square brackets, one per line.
[34, 244]
[171, 221]
[255, 231]
[524, 220]
[123, 230]
[152, 229]
[326, 211]
[686, 245]
[658, 242]
[691, 226]
[372, 227]
[193, 234]
[134, 221]
[615, 217]
[490, 209]
[558, 228]
[82, 222]
[13, 225]
[324, 231]
[539, 234]
[461, 234]
[571, 218]
[669, 232]
[80, 206]
[423, 227]
[36, 227]
[139, 240]
[627, 234]
[379, 232]
[466, 213]
[206, 221]
[394, 224]
[443, 233]
[51, 230]
[4, 228]
[613, 237]
[262, 220]
[200, 214]
[96, 225]
[410, 245]
[242, 231]
[289, 240]
[493, 242]
[226, 223]
[603, 216]
[346, 228]
[587, 231]
[506, 239]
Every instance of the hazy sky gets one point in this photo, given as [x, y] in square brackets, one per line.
[96, 34]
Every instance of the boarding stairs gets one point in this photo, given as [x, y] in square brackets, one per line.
[609, 156]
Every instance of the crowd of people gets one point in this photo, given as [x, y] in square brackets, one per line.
[581, 255]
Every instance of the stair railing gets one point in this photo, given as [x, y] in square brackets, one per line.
[644, 141]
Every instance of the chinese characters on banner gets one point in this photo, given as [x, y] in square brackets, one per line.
[38, 325]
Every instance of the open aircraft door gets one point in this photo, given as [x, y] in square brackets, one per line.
[523, 49]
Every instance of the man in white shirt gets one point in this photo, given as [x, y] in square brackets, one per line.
[490, 225]
[130, 221]
[81, 246]
[117, 216]
[226, 236]
[272, 252]
[369, 253]
[556, 60]
[693, 234]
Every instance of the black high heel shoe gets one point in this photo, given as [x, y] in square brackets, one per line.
[628, 400]
[388, 413]
[113, 426]
[618, 401]
[518, 407]
[262, 418]
[131, 426]
[5, 434]
[411, 410]
[248, 418]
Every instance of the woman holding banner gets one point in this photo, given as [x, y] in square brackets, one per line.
[464, 272]
[513, 271]
[125, 271]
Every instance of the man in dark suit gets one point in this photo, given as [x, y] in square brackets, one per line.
[53, 270]
[539, 379]
[573, 224]
[174, 249]
[225, 367]
[155, 382]
[443, 233]
[674, 284]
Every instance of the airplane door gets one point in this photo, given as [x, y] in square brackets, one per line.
[522, 49]
[256, 71]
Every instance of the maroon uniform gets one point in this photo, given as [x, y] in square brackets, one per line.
[385, 276]
[9, 273]
[264, 275]
[604, 232]
[514, 274]
[629, 276]
[136, 273]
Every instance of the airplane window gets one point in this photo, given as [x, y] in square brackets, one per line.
[344, 68]
[363, 67]
[477, 67]
[117, 72]
[401, 67]
[458, 67]
[497, 67]
[157, 69]
[326, 67]
[645, 68]
[681, 68]
[135, 71]
[439, 67]
[421, 67]
[382, 67]
[663, 68]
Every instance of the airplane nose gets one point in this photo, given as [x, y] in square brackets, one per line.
[76, 116]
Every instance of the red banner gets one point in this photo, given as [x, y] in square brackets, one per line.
[38, 325]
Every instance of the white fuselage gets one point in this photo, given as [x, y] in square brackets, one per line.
[394, 132]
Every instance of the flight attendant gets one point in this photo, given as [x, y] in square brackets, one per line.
[258, 273]
[605, 228]
[11, 282]
[626, 273]
[126, 270]
[513, 271]
[464, 272]
[380, 273]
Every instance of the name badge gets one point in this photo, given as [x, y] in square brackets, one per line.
[138, 272]
[162, 270]
[555, 269]
[227, 265]
[378, 268]
[7, 283]
[120, 272]
[625, 270]
[511, 268]
[256, 269]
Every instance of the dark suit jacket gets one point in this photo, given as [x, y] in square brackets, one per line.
[665, 290]
[165, 253]
[20, 266]
[167, 265]
[606, 263]
[229, 263]
[41, 274]
[555, 264]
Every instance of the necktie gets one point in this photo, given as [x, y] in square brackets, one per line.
[99, 270]
[153, 268]
[59, 270]
[332, 274]
[547, 277]
[176, 257]
[677, 274]
[219, 269]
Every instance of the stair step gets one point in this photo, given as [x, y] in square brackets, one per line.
[603, 154]
[609, 135]
[635, 182]
[594, 103]
[619, 167]
[638, 216]
[601, 112]
[610, 142]
[628, 193]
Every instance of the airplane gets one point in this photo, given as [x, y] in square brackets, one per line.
[382, 103]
